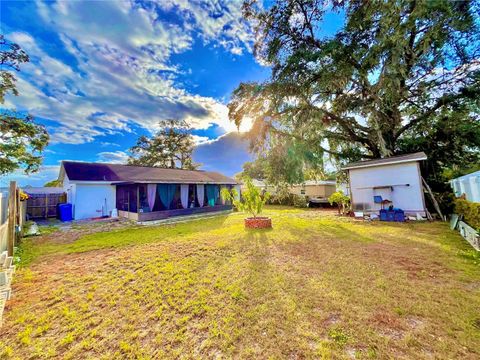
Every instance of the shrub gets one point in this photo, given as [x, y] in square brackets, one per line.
[251, 200]
[470, 212]
[342, 201]
[282, 195]
[299, 201]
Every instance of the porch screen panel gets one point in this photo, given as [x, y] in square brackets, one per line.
[184, 195]
[200, 194]
[152, 195]
[212, 194]
[167, 193]
[127, 198]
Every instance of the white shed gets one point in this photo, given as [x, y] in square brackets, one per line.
[396, 179]
[469, 185]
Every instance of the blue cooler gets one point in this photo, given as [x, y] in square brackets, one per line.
[65, 212]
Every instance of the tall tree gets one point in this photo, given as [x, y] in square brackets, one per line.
[170, 147]
[394, 69]
[22, 141]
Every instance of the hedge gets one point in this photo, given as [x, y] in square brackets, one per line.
[470, 212]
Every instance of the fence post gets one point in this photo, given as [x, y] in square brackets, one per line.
[12, 199]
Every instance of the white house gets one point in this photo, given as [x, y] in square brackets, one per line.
[469, 185]
[396, 179]
[139, 192]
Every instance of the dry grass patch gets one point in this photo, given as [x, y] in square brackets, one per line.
[316, 286]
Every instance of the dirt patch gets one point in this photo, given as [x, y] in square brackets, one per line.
[388, 324]
[332, 319]
[410, 260]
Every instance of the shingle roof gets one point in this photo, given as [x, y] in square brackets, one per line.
[387, 161]
[81, 171]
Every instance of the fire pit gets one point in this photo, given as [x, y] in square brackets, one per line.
[258, 223]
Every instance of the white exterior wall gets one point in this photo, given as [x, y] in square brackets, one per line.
[408, 198]
[90, 200]
[93, 200]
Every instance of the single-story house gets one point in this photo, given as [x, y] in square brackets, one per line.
[397, 179]
[140, 193]
[468, 185]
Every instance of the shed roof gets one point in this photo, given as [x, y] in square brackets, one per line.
[82, 171]
[418, 156]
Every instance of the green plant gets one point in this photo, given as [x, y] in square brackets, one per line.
[299, 201]
[342, 201]
[251, 201]
[282, 195]
[470, 212]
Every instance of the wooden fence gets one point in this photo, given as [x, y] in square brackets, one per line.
[12, 218]
[44, 205]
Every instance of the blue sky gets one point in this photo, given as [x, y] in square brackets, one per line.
[103, 73]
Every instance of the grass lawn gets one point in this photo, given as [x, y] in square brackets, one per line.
[316, 286]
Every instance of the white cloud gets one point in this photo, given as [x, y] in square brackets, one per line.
[200, 139]
[114, 157]
[123, 71]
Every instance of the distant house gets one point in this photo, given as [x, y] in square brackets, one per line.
[395, 178]
[468, 185]
[140, 193]
[316, 191]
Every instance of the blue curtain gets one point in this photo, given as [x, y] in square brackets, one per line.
[212, 194]
[167, 193]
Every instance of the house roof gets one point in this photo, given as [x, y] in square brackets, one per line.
[117, 173]
[475, 174]
[387, 161]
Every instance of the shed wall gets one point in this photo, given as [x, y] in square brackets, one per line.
[409, 198]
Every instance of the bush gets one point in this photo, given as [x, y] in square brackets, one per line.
[299, 201]
[470, 212]
[282, 196]
[342, 201]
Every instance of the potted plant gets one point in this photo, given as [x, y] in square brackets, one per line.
[252, 202]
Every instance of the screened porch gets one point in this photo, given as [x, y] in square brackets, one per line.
[146, 202]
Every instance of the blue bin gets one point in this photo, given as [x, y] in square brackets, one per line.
[390, 215]
[399, 215]
[65, 212]
[383, 215]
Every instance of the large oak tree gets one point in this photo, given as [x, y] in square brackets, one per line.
[399, 76]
